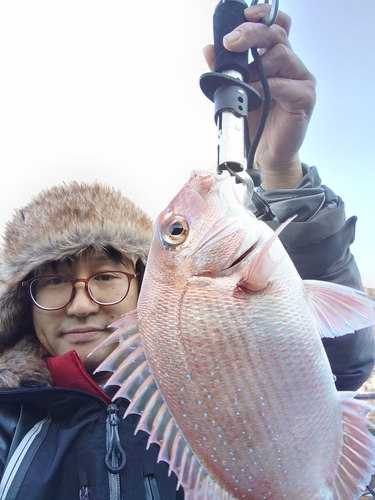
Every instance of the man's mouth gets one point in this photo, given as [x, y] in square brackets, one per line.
[83, 334]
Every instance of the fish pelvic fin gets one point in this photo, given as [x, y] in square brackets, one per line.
[136, 383]
[357, 459]
[262, 266]
[338, 309]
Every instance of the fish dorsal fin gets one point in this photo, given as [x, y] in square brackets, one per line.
[358, 452]
[262, 266]
[338, 309]
[132, 373]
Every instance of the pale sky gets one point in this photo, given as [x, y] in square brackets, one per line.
[109, 91]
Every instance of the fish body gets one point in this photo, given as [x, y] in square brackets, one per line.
[232, 378]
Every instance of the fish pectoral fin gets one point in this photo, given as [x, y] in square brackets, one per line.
[262, 266]
[257, 274]
[356, 464]
[338, 309]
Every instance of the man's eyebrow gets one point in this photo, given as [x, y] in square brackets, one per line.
[101, 258]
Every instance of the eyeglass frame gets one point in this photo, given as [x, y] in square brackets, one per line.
[73, 282]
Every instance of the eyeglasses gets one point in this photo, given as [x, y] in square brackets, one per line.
[52, 292]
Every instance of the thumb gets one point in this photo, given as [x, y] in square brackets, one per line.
[209, 55]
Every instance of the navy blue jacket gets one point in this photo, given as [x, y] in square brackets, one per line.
[60, 443]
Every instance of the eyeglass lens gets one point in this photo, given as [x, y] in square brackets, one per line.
[52, 292]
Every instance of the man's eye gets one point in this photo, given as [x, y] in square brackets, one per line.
[56, 281]
[105, 277]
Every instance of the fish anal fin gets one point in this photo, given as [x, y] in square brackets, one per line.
[338, 309]
[357, 460]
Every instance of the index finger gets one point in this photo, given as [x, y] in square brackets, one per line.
[257, 12]
[258, 35]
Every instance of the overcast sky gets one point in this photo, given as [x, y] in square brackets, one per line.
[108, 91]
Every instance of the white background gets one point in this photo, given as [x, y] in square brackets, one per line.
[108, 91]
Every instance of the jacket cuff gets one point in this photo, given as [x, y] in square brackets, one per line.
[319, 237]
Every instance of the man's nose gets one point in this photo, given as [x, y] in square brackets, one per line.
[82, 304]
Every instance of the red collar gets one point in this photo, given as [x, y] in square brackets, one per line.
[68, 371]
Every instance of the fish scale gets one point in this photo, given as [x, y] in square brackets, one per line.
[202, 364]
[237, 389]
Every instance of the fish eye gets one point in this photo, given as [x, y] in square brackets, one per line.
[175, 230]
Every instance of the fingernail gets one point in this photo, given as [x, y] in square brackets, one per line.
[233, 36]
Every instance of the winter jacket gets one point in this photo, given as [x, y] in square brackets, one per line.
[318, 242]
[59, 443]
[55, 422]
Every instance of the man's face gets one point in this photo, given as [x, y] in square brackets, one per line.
[83, 324]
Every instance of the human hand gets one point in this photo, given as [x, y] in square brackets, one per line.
[292, 89]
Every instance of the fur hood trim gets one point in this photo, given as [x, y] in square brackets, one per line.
[23, 366]
[60, 222]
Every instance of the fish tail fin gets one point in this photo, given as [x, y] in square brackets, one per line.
[357, 459]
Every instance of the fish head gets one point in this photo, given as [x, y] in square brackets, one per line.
[205, 229]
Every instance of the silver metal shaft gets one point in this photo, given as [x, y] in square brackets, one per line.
[231, 135]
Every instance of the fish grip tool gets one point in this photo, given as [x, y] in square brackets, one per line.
[233, 98]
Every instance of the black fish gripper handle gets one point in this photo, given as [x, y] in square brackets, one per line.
[228, 15]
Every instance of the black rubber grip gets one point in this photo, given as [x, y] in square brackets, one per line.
[227, 16]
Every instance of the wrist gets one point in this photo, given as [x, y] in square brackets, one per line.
[282, 176]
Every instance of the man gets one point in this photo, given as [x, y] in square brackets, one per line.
[72, 263]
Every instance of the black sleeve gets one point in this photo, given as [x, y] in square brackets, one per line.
[318, 243]
[9, 417]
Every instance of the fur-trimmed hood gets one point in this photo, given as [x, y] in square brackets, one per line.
[23, 365]
[61, 222]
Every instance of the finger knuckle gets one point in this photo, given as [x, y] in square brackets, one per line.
[282, 34]
[286, 22]
[311, 91]
[282, 51]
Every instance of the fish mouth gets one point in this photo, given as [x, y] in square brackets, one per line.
[242, 256]
[240, 246]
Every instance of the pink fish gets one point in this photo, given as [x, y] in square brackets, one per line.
[224, 362]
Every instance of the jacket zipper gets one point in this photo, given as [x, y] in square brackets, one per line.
[83, 485]
[115, 458]
[149, 481]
